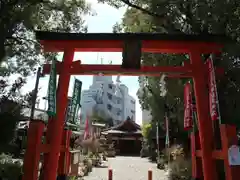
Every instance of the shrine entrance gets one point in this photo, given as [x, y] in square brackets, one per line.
[204, 152]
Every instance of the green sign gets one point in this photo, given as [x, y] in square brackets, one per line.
[75, 102]
[52, 90]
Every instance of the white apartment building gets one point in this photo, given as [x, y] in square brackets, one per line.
[109, 98]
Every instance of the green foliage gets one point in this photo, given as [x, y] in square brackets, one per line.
[180, 169]
[99, 117]
[10, 114]
[73, 178]
[186, 17]
[146, 129]
[180, 165]
[20, 52]
[9, 169]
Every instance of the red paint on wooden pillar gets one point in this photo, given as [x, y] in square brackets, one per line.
[205, 123]
[32, 154]
[68, 154]
[196, 163]
[47, 142]
[58, 122]
[63, 163]
[194, 157]
[229, 137]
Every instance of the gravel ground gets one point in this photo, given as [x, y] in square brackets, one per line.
[127, 168]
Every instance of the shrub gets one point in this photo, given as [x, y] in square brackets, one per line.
[162, 161]
[180, 169]
[180, 165]
[10, 169]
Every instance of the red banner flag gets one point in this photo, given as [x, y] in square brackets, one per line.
[212, 90]
[188, 110]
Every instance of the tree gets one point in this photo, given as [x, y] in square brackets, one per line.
[98, 116]
[10, 114]
[187, 17]
[20, 52]
[146, 129]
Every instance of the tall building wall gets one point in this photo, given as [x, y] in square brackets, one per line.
[111, 98]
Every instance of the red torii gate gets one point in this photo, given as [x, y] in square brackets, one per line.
[69, 43]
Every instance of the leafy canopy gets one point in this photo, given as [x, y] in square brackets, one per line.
[20, 52]
[187, 17]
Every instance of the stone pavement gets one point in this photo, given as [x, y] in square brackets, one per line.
[127, 168]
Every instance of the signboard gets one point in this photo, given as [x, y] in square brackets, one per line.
[234, 155]
[75, 101]
[52, 90]
[68, 111]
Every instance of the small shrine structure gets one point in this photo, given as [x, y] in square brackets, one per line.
[126, 136]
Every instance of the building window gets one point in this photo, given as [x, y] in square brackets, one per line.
[118, 101]
[132, 111]
[109, 96]
[119, 113]
[133, 102]
[86, 102]
[109, 107]
[110, 86]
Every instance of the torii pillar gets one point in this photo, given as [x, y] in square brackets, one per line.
[50, 171]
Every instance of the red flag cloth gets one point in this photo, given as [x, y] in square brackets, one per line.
[86, 130]
[188, 108]
[212, 90]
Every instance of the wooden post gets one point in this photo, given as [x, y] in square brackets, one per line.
[196, 165]
[63, 163]
[32, 154]
[51, 166]
[110, 174]
[50, 128]
[204, 120]
[149, 174]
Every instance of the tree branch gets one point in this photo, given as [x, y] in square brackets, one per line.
[22, 40]
[154, 14]
[127, 2]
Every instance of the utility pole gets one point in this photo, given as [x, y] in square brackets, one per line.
[34, 95]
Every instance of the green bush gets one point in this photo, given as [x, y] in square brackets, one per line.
[9, 169]
[180, 165]
[180, 169]
[162, 161]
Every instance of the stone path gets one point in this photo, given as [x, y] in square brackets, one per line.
[127, 168]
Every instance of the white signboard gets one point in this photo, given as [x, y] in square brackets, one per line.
[234, 155]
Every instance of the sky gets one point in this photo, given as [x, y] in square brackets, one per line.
[102, 22]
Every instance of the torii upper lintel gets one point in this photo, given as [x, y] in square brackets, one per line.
[113, 42]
